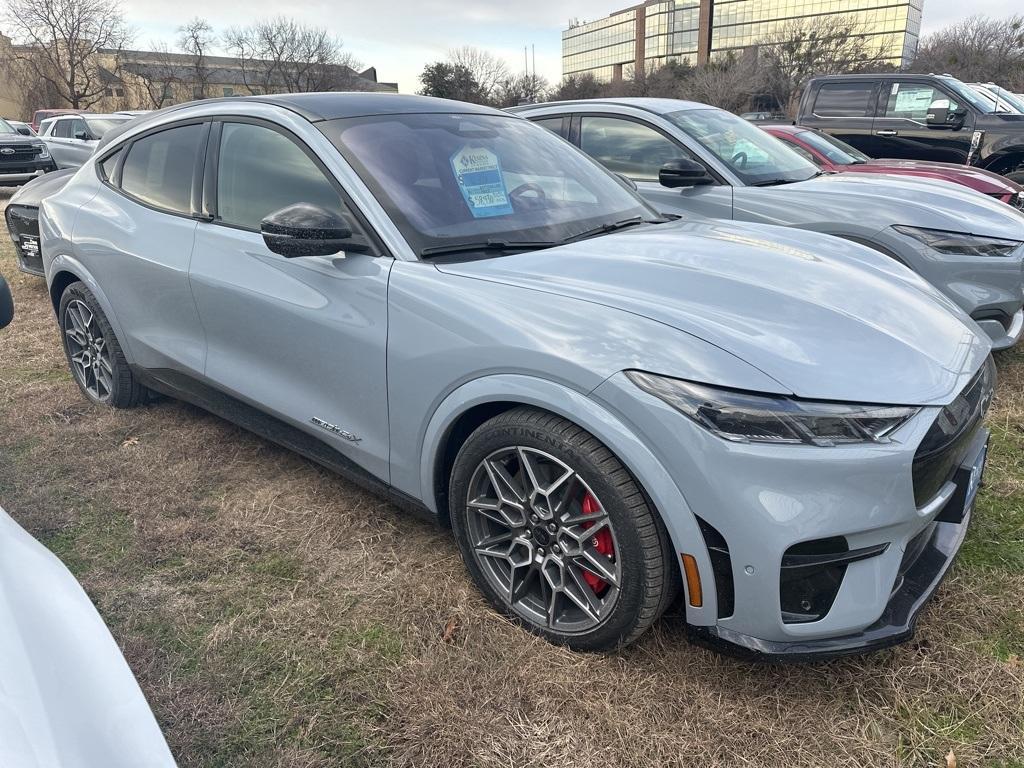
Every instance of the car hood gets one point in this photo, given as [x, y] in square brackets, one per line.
[825, 318]
[18, 138]
[857, 198]
[67, 696]
[976, 178]
[32, 194]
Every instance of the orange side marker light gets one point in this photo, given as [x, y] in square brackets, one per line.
[693, 590]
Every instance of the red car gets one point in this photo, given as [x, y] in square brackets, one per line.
[831, 154]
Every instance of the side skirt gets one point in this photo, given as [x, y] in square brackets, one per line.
[183, 387]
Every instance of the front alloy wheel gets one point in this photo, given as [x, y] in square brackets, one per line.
[542, 539]
[556, 533]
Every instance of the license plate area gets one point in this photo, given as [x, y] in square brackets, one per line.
[969, 477]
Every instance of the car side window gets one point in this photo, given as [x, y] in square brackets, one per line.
[61, 129]
[76, 127]
[261, 171]
[158, 168]
[844, 99]
[911, 101]
[108, 164]
[553, 124]
[625, 146]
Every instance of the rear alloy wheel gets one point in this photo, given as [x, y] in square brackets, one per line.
[556, 533]
[94, 354]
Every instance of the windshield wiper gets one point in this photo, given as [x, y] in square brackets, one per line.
[604, 229]
[488, 245]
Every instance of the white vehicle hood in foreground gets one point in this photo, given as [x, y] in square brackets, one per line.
[67, 696]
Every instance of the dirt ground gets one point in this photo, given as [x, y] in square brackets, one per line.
[276, 615]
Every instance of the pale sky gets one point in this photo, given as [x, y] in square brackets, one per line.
[399, 36]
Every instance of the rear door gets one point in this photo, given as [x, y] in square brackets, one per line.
[58, 140]
[303, 339]
[845, 109]
[146, 207]
[902, 130]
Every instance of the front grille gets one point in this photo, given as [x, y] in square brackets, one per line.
[18, 152]
[945, 442]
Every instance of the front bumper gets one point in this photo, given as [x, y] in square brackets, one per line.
[1004, 334]
[925, 566]
[23, 173]
[758, 504]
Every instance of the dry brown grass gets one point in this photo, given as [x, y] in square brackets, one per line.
[277, 616]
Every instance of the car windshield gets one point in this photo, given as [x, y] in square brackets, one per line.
[838, 152]
[1004, 98]
[100, 125]
[6, 127]
[756, 157]
[451, 180]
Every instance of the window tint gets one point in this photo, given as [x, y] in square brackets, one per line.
[627, 147]
[107, 165]
[911, 101]
[158, 168]
[262, 171]
[553, 124]
[802, 152]
[61, 129]
[844, 100]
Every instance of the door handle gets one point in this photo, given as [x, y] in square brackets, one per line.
[887, 132]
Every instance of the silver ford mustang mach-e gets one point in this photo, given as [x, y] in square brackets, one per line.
[459, 309]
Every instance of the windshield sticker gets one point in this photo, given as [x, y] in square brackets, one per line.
[478, 174]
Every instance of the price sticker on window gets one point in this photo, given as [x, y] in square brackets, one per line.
[478, 174]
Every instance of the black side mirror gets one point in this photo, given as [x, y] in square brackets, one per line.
[305, 229]
[81, 135]
[683, 172]
[6, 304]
[941, 116]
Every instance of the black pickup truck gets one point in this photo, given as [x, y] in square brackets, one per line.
[916, 117]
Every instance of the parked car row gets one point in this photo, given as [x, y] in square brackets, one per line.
[618, 381]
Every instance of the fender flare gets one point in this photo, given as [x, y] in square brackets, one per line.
[661, 489]
[64, 263]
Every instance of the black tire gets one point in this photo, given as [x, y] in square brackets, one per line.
[120, 388]
[648, 580]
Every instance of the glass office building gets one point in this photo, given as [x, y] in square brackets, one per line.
[695, 31]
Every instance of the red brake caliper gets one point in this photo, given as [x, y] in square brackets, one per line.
[603, 544]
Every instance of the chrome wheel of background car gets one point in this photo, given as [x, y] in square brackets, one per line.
[87, 350]
[543, 540]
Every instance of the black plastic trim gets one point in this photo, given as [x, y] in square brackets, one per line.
[182, 386]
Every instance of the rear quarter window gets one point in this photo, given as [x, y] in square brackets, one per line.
[158, 168]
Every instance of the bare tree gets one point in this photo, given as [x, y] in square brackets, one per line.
[487, 69]
[802, 48]
[159, 80]
[728, 83]
[521, 89]
[197, 38]
[281, 54]
[977, 49]
[59, 42]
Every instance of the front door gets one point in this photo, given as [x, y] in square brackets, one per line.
[901, 129]
[303, 339]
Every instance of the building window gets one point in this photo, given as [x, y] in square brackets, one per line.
[119, 91]
[108, 92]
[168, 92]
[229, 91]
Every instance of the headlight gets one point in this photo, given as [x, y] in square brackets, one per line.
[960, 243]
[43, 151]
[748, 417]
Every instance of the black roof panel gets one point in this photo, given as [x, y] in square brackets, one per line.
[329, 106]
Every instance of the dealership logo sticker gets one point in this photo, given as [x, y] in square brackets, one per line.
[478, 174]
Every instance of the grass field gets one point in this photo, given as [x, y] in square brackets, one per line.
[276, 615]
